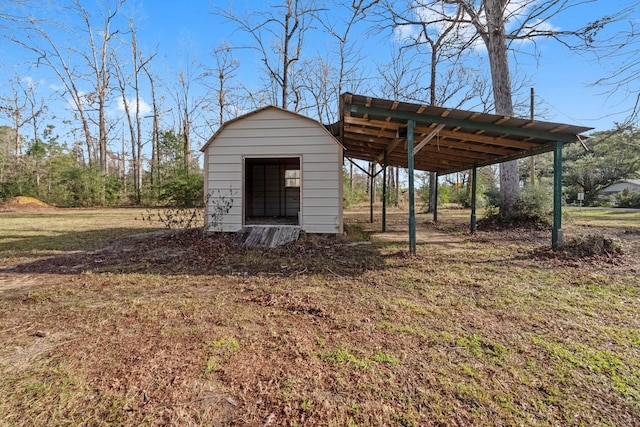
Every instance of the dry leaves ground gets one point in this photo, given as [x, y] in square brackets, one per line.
[103, 325]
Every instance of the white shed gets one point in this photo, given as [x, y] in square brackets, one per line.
[273, 166]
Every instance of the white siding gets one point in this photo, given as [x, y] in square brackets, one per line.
[272, 132]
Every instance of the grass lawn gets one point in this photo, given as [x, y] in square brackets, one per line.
[604, 217]
[106, 321]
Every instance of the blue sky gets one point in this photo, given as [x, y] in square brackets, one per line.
[190, 30]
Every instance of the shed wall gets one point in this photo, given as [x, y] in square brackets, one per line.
[276, 133]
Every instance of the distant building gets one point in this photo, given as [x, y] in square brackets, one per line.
[620, 186]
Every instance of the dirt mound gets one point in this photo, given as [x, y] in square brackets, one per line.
[25, 204]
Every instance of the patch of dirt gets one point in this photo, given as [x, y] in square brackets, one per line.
[193, 252]
[427, 233]
[8, 282]
[39, 343]
[25, 204]
[294, 303]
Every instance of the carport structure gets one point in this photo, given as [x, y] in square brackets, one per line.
[445, 140]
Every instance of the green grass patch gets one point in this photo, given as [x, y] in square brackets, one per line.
[341, 356]
[608, 217]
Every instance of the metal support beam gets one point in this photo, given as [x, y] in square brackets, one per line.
[372, 196]
[556, 234]
[412, 212]
[371, 174]
[435, 205]
[384, 193]
[366, 172]
[474, 187]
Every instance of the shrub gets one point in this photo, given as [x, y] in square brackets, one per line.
[353, 197]
[493, 196]
[183, 190]
[535, 206]
[629, 199]
[536, 203]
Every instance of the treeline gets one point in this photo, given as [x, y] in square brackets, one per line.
[52, 171]
[58, 174]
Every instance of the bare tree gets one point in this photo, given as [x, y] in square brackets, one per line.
[444, 45]
[617, 53]
[16, 110]
[324, 79]
[224, 71]
[97, 60]
[91, 44]
[190, 106]
[486, 21]
[134, 118]
[155, 131]
[278, 36]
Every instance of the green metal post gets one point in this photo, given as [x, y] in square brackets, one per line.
[435, 205]
[384, 193]
[474, 180]
[556, 234]
[371, 195]
[412, 211]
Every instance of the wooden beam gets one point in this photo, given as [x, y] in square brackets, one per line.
[375, 133]
[472, 147]
[367, 103]
[374, 123]
[428, 138]
[491, 140]
[394, 144]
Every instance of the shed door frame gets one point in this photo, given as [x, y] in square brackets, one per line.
[247, 187]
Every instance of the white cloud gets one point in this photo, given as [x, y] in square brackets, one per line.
[405, 32]
[543, 26]
[144, 107]
[28, 81]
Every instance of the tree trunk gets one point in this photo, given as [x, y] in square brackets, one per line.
[187, 143]
[495, 41]
[433, 185]
[351, 176]
[155, 135]
[138, 118]
[397, 186]
[285, 56]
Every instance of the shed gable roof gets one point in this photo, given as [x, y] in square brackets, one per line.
[260, 110]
